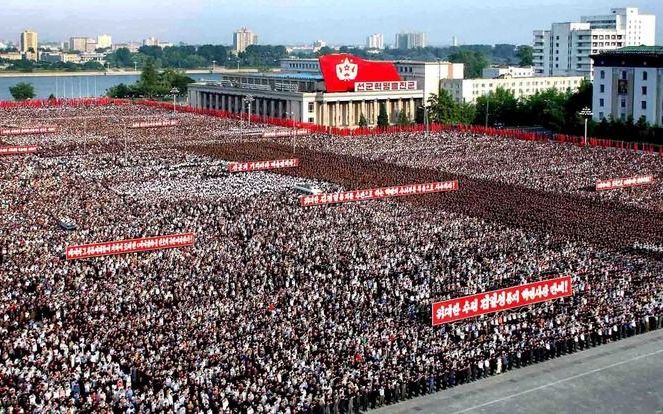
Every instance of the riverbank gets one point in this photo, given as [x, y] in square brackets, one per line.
[64, 74]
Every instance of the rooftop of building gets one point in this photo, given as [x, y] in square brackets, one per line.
[635, 50]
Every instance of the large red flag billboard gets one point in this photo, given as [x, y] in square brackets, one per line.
[500, 300]
[341, 72]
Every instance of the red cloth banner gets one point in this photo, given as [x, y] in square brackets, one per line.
[29, 149]
[341, 71]
[129, 246]
[248, 166]
[154, 124]
[27, 131]
[500, 300]
[377, 193]
[624, 182]
[284, 134]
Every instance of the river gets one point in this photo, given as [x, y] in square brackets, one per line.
[76, 86]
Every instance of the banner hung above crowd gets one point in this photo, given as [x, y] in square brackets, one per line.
[129, 246]
[27, 131]
[500, 300]
[154, 124]
[377, 193]
[342, 71]
[616, 183]
[235, 167]
[18, 150]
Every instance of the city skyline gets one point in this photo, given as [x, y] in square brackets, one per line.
[302, 21]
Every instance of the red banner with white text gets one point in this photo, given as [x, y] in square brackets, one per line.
[27, 131]
[500, 300]
[18, 150]
[129, 246]
[249, 166]
[154, 124]
[616, 183]
[377, 193]
[285, 134]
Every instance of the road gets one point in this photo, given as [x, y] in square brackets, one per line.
[621, 377]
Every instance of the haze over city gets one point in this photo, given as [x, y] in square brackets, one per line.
[300, 21]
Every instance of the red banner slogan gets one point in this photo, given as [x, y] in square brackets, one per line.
[27, 131]
[624, 182]
[154, 124]
[377, 193]
[500, 300]
[248, 166]
[28, 149]
[129, 246]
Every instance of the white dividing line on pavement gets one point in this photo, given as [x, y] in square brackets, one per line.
[550, 384]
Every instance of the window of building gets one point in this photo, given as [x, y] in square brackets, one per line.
[602, 88]
[311, 120]
[601, 102]
[623, 75]
[643, 104]
[644, 76]
[311, 106]
[601, 115]
[623, 104]
[644, 90]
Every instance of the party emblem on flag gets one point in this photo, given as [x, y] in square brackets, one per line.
[346, 70]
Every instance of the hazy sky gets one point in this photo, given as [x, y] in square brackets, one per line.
[301, 21]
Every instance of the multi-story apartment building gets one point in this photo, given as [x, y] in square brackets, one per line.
[628, 83]
[104, 41]
[375, 41]
[410, 40]
[468, 90]
[565, 49]
[243, 38]
[28, 41]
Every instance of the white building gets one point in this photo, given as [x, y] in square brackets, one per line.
[429, 75]
[468, 90]
[243, 38]
[104, 41]
[494, 72]
[375, 41]
[151, 41]
[305, 92]
[410, 40]
[565, 48]
[629, 83]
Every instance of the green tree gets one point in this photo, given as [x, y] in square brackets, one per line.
[474, 62]
[403, 119]
[525, 55]
[502, 107]
[363, 123]
[442, 108]
[383, 118]
[120, 91]
[22, 91]
[149, 80]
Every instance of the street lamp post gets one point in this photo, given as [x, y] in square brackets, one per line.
[135, 66]
[213, 65]
[248, 101]
[291, 116]
[586, 113]
[425, 109]
[174, 92]
[487, 108]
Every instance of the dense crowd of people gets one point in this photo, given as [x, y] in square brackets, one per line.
[276, 308]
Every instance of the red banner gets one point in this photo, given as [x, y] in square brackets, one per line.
[341, 72]
[248, 166]
[500, 300]
[377, 193]
[27, 131]
[624, 182]
[26, 149]
[129, 246]
[154, 124]
[282, 134]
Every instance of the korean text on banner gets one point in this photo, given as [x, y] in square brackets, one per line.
[500, 300]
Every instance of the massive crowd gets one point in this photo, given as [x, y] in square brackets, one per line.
[276, 308]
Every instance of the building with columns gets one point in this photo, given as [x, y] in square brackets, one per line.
[334, 92]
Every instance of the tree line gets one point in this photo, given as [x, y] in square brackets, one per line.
[550, 111]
